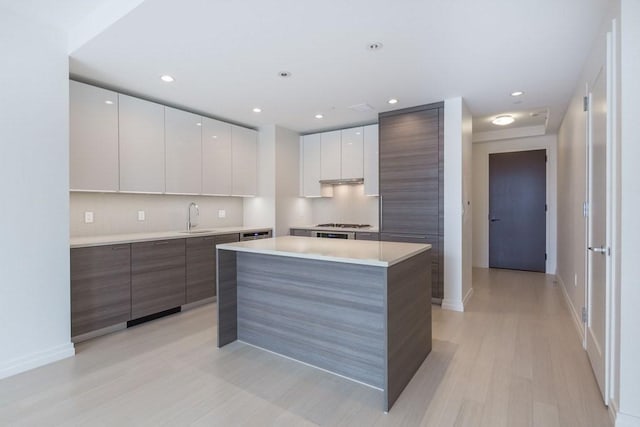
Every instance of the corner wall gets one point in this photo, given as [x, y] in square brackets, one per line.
[457, 204]
[481, 153]
[34, 181]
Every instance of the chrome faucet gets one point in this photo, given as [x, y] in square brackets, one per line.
[190, 222]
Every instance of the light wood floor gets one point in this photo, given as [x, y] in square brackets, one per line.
[513, 359]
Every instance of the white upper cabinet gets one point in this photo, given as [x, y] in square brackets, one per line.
[244, 159]
[371, 160]
[216, 157]
[330, 156]
[183, 144]
[93, 138]
[352, 151]
[142, 152]
[310, 165]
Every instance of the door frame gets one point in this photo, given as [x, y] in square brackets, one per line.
[611, 201]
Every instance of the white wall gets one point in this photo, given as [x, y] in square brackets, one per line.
[118, 213]
[457, 204]
[34, 218]
[629, 285]
[348, 205]
[261, 210]
[291, 209]
[481, 153]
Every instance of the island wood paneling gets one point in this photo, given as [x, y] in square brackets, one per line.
[327, 314]
[100, 287]
[227, 291]
[408, 310]
[157, 276]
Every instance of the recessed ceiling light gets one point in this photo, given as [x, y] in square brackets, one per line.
[198, 124]
[392, 101]
[214, 137]
[374, 46]
[257, 110]
[517, 93]
[167, 78]
[284, 74]
[319, 116]
[503, 120]
[108, 102]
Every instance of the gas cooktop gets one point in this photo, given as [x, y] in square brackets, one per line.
[334, 225]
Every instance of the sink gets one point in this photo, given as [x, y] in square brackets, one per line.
[197, 231]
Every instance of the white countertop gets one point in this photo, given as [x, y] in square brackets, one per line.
[366, 252]
[114, 239]
[315, 227]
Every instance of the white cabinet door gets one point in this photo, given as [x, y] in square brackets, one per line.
[330, 163]
[216, 157]
[371, 160]
[141, 145]
[310, 147]
[244, 158]
[352, 152]
[93, 138]
[183, 144]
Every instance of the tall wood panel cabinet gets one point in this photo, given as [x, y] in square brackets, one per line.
[411, 146]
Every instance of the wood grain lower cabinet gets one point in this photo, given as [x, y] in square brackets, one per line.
[367, 235]
[201, 265]
[100, 287]
[157, 276]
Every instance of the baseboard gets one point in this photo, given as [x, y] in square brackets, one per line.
[577, 318]
[467, 297]
[452, 305]
[36, 360]
[625, 420]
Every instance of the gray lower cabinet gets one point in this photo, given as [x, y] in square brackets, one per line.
[300, 232]
[201, 265]
[157, 276]
[100, 287]
[367, 236]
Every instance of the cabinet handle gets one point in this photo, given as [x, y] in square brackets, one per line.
[161, 243]
[380, 210]
[119, 248]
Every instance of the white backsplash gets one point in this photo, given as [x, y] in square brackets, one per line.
[116, 213]
[348, 205]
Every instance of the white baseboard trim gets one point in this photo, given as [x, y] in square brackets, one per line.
[35, 360]
[577, 318]
[613, 410]
[453, 305]
[467, 297]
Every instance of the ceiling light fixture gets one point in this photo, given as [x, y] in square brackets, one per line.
[198, 124]
[319, 116]
[257, 110]
[517, 93]
[108, 102]
[392, 101]
[503, 120]
[167, 78]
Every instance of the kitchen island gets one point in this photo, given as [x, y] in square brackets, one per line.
[359, 309]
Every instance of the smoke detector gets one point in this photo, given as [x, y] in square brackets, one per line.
[374, 46]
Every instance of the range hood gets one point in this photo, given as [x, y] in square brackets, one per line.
[350, 181]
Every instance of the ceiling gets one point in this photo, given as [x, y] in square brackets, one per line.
[226, 55]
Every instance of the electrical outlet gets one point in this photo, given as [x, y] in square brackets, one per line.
[88, 217]
[222, 213]
[140, 215]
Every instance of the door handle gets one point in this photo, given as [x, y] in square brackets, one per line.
[494, 219]
[600, 250]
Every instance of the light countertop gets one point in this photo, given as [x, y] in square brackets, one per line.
[114, 239]
[317, 228]
[366, 252]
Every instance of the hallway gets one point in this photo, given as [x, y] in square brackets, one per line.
[513, 359]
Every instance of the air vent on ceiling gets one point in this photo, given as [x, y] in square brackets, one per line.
[362, 108]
